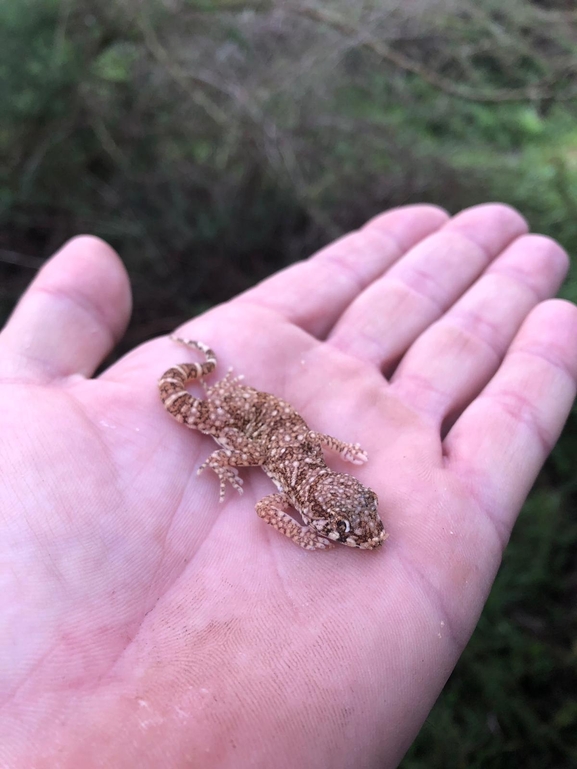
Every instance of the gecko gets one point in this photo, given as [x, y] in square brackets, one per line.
[256, 428]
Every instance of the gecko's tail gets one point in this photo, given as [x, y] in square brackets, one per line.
[209, 365]
[172, 383]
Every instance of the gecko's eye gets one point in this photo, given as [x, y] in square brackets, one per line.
[343, 526]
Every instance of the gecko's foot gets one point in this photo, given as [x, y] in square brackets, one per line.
[225, 474]
[355, 454]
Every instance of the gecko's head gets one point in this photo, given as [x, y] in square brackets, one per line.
[343, 510]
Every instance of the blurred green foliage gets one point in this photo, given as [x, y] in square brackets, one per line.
[511, 699]
[214, 141]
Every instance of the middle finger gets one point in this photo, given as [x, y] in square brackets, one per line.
[455, 358]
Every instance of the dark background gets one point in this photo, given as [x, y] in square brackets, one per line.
[214, 142]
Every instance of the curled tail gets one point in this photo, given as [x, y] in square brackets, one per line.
[181, 404]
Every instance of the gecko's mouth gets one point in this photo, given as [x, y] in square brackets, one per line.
[369, 544]
[372, 544]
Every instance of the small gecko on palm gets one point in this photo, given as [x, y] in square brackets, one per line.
[258, 429]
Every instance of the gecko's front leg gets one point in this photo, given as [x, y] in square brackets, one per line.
[271, 509]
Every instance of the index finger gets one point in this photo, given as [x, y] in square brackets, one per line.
[313, 294]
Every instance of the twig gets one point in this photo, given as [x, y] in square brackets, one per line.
[183, 79]
[21, 260]
[536, 91]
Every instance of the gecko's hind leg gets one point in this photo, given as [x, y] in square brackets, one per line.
[350, 452]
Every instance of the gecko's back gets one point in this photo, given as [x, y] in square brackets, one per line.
[255, 428]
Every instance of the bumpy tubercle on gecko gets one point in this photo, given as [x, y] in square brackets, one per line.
[256, 428]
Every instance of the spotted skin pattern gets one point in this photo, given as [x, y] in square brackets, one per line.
[258, 429]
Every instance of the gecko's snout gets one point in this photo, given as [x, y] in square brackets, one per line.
[373, 542]
[347, 513]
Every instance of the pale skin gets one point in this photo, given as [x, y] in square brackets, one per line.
[144, 624]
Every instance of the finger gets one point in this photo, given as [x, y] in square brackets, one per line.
[501, 440]
[314, 293]
[387, 318]
[70, 317]
[453, 360]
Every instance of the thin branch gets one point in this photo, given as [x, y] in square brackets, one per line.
[60, 32]
[555, 16]
[184, 79]
[536, 91]
[233, 6]
[21, 260]
[505, 42]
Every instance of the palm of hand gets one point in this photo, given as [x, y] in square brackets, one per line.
[147, 614]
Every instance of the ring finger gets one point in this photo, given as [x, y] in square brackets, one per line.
[455, 358]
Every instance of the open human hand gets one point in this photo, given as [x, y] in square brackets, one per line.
[143, 624]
